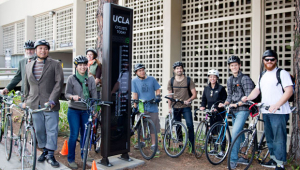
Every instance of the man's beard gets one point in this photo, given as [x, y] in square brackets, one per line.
[270, 68]
[29, 56]
[179, 74]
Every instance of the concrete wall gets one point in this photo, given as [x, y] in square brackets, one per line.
[65, 57]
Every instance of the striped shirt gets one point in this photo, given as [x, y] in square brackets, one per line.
[38, 69]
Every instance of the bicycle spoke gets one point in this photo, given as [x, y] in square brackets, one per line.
[200, 139]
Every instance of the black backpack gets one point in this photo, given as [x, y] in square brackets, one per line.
[291, 99]
[239, 84]
[188, 85]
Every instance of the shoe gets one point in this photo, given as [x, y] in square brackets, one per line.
[42, 158]
[51, 160]
[233, 165]
[270, 164]
[137, 145]
[88, 159]
[243, 161]
[73, 165]
[213, 152]
[220, 154]
[152, 149]
[279, 167]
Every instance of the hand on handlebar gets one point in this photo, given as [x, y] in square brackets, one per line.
[274, 108]
[76, 98]
[187, 102]
[170, 111]
[4, 91]
[202, 108]
[23, 105]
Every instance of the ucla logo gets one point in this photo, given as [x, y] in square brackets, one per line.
[120, 19]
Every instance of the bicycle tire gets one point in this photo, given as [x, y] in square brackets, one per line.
[146, 151]
[86, 145]
[200, 138]
[20, 138]
[97, 138]
[250, 152]
[213, 143]
[8, 136]
[29, 149]
[263, 150]
[177, 145]
[2, 111]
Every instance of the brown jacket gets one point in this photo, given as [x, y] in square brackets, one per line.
[49, 87]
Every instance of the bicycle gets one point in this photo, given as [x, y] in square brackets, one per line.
[144, 126]
[202, 130]
[29, 140]
[89, 137]
[251, 147]
[218, 140]
[176, 135]
[6, 123]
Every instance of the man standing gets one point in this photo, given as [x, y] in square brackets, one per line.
[181, 91]
[146, 88]
[43, 84]
[275, 95]
[20, 75]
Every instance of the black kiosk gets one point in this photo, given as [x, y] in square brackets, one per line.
[116, 82]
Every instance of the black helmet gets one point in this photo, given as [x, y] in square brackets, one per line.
[233, 59]
[41, 42]
[29, 45]
[177, 63]
[139, 66]
[269, 53]
[80, 59]
[93, 51]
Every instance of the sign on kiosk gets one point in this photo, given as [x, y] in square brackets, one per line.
[116, 82]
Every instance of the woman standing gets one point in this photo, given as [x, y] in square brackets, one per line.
[78, 86]
[95, 68]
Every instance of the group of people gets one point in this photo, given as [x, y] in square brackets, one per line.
[43, 83]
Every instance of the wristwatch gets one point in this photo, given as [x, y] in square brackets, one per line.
[237, 104]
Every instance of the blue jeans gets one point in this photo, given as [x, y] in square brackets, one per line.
[77, 120]
[187, 114]
[275, 131]
[237, 126]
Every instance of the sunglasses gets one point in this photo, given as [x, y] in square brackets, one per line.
[269, 59]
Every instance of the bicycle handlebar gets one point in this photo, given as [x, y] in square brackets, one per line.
[152, 101]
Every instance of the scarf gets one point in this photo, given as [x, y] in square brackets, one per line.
[91, 62]
[83, 80]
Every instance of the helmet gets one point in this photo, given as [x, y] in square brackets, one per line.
[233, 59]
[93, 51]
[177, 64]
[29, 45]
[80, 59]
[139, 66]
[213, 72]
[41, 42]
[269, 53]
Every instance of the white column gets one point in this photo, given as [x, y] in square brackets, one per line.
[1, 41]
[79, 9]
[54, 17]
[29, 28]
[171, 43]
[257, 38]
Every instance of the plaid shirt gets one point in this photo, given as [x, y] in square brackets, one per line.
[235, 94]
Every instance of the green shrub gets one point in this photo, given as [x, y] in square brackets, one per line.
[63, 119]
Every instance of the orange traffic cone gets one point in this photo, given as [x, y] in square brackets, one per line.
[94, 167]
[64, 150]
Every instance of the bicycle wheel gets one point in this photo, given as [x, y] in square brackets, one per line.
[29, 149]
[20, 138]
[1, 124]
[97, 138]
[217, 143]
[175, 139]
[263, 151]
[200, 138]
[86, 145]
[246, 147]
[145, 140]
[8, 136]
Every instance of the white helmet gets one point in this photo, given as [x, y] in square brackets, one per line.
[213, 72]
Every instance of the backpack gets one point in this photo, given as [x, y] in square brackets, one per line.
[291, 99]
[188, 85]
[239, 84]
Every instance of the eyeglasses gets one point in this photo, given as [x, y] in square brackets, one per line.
[269, 59]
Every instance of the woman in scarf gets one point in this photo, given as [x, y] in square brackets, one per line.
[95, 68]
[78, 86]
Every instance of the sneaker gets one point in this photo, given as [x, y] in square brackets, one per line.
[220, 154]
[213, 152]
[51, 160]
[279, 167]
[137, 145]
[152, 149]
[233, 165]
[42, 158]
[270, 164]
[243, 161]
[73, 165]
